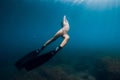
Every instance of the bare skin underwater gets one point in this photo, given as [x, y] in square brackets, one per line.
[33, 60]
[63, 32]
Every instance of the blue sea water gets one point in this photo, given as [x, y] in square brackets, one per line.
[27, 24]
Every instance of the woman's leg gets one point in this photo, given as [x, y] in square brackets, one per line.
[58, 34]
[66, 38]
[64, 42]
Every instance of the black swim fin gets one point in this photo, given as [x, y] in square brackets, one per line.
[39, 60]
[21, 62]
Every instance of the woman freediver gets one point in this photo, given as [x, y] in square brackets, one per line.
[33, 60]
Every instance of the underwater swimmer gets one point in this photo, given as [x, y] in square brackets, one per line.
[63, 32]
[33, 60]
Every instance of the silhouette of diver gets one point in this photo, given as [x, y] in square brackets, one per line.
[32, 60]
